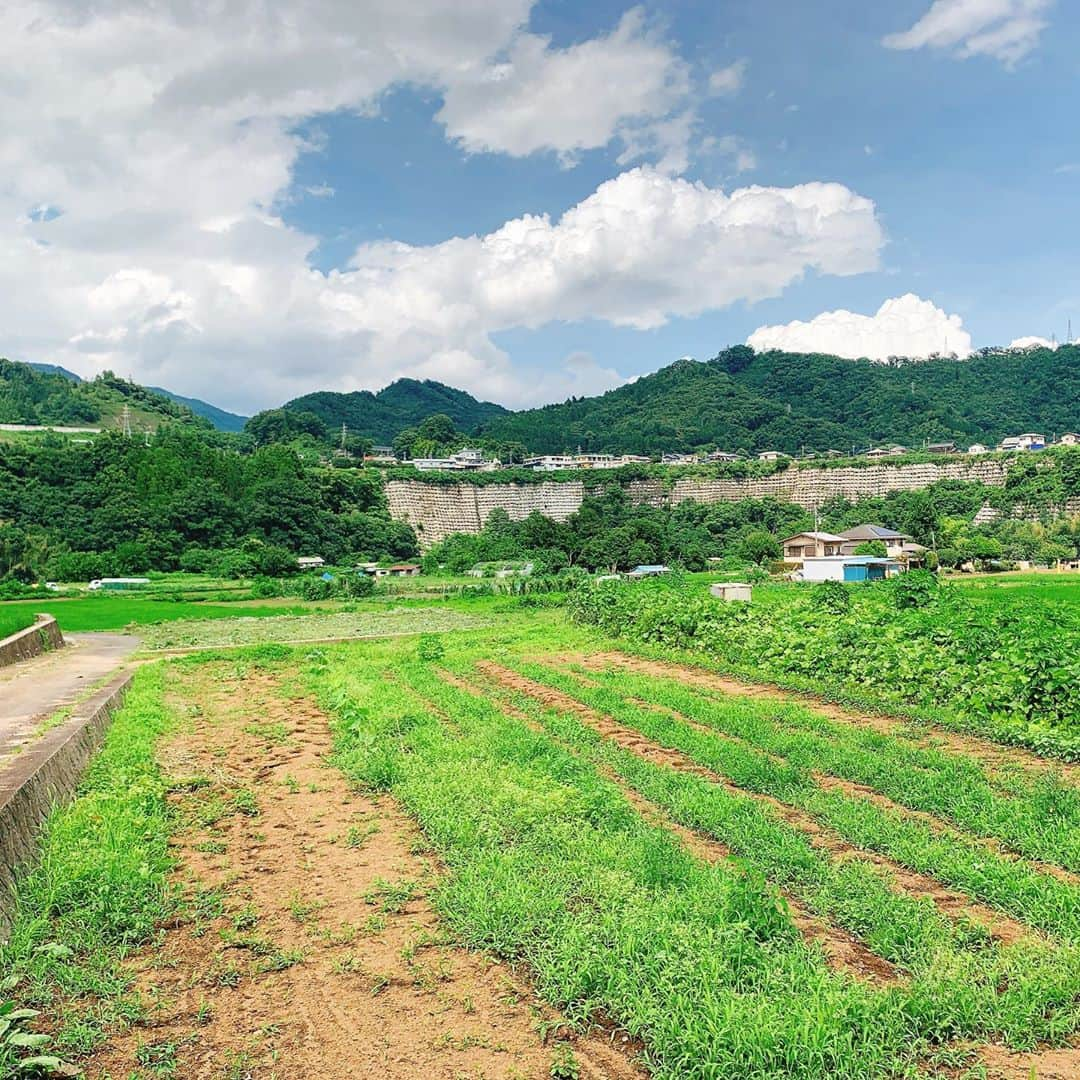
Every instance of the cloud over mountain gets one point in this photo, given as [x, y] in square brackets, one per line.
[904, 326]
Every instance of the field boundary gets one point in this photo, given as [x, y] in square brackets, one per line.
[45, 774]
[43, 636]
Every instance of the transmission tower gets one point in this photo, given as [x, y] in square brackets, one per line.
[125, 421]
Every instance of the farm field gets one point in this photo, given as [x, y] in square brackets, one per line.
[12, 621]
[118, 612]
[531, 849]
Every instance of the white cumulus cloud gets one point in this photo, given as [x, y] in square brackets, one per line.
[1006, 30]
[730, 79]
[905, 326]
[147, 148]
[566, 100]
[1032, 343]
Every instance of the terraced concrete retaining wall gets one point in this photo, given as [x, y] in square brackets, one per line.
[43, 636]
[436, 511]
[43, 774]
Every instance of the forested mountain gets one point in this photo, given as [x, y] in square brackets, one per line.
[32, 394]
[402, 404]
[56, 369]
[788, 401]
[222, 419]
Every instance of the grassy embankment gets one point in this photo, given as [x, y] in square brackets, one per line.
[12, 620]
[99, 889]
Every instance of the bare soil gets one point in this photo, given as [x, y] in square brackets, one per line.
[952, 904]
[311, 948]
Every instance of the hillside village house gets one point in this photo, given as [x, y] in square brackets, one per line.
[773, 455]
[886, 451]
[1028, 441]
[311, 562]
[465, 460]
[1070, 438]
[812, 545]
[977, 448]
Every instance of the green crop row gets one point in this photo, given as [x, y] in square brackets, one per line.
[959, 986]
[1039, 817]
[1039, 899]
[1007, 669]
[549, 864]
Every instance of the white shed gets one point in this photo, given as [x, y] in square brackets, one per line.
[731, 590]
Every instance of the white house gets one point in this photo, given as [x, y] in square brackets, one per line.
[310, 562]
[551, 462]
[977, 448]
[463, 460]
[772, 455]
[1070, 438]
[1028, 441]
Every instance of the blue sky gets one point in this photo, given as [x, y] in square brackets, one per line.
[249, 198]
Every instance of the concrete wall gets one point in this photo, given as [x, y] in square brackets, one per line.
[436, 511]
[44, 774]
[42, 637]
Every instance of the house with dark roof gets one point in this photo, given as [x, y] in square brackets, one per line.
[898, 545]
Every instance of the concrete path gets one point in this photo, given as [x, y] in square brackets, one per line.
[34, 690]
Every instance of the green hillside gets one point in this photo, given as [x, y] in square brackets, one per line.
[29, 396]
[786, 401]
[402, 404]
[222, 419]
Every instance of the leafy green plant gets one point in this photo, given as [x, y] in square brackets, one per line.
[20, 1048]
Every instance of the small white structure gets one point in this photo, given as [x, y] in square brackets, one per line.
[849, 568]
[1070, 438]
[310, 562]
[977, 448]
[731, 590]
[773, 455]
[648, 570]
[118, 584]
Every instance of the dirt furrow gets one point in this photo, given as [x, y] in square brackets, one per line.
[991, 755]
[851, 788]
[843, 950]
[311, 948]
[952, 904]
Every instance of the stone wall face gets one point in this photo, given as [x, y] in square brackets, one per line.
[436, 511]
[46, 774]
[43, 636]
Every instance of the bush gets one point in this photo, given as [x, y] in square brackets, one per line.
[915, 589]
[831, 596]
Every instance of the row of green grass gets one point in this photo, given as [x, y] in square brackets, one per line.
[1011, 885]
[1036, 816]
[960, 986]
[549, 864]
